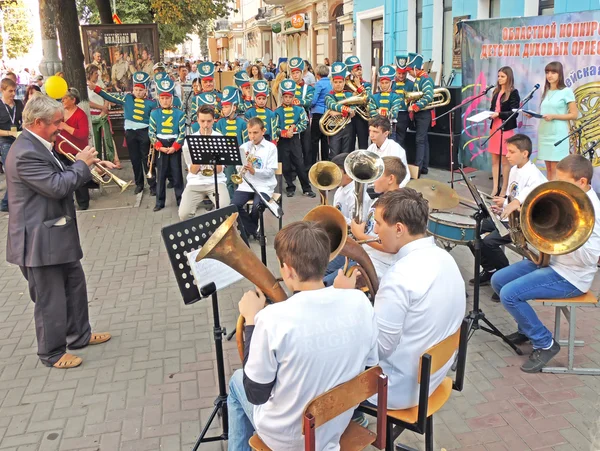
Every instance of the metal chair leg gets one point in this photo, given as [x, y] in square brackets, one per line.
[429, 434]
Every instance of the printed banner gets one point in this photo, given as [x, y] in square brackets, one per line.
[527, 44]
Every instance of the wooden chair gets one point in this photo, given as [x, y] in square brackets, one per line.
[420, 417]
[337, 401]
[277, 195]
[568, 307]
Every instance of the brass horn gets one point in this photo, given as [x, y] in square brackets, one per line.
[331, 124]
[556, 218]
[226, 246]
[441, 97]
[334, 223]
[364, 167]
[325, 176]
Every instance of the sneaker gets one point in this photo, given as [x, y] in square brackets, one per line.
[539, 358]
[138, 189]
[360, 419]
[289, 193]
[517, 338]
[158, 208]
[309, 194]
[484, 278]
[495, 297]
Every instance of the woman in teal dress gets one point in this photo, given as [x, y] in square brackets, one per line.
[557, 108]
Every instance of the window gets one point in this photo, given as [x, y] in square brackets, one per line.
[494, 8]
[448, 37]
[546, 8]
[419, 40]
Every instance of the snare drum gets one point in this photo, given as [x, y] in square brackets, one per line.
[453, 227]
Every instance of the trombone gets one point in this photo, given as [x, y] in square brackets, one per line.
[100, 175]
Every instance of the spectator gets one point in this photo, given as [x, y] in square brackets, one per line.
[193, 73]
[309, 74]
[254, 73]
[326, 62]
[29, 92]
[322, 88]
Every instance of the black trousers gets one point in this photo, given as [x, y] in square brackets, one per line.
[401, 127]
[289, 152]
[82, 194]
[138, 146]
[61, 309]
[422, 124]
[249, 220]
[361, 131]
[166, 163]
[492, 257]
[316, 137]
[305, 141]
[342, 142]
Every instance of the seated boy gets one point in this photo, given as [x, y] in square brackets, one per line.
[568, 275]
[523, 178]
[379, 132]
[260, 167]
[297, 349]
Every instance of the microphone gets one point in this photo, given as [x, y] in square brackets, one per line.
[530, 95]
[485, 91]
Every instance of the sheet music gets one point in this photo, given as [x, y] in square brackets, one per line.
[502, 230]
[480, 117]
[208, 270]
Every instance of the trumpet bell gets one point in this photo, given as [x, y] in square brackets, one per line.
[557, 218]
[364, 166]
[122, 183]
[332, 220]
[325, 175]
[237, 179]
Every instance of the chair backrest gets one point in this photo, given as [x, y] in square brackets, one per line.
[441, 353]
[279, 178]
[414, 171]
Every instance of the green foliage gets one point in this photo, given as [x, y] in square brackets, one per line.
[17, 26]
[175, 18]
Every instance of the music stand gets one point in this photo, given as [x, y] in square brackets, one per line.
[214, 150]
[477, 314]
[181, 239]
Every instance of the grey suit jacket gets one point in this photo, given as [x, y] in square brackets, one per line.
[40, 195]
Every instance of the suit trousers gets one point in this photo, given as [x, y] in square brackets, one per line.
[341, 142]
[316, 137]
[61, 308]
[289, 152]
[361, 131]
[138, 146]
[166, 163]
[401, 127]
[422, 123]
[249, 220]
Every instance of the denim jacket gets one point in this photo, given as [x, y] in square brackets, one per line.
[322, 88]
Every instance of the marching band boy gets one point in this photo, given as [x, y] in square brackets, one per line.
[385, 103]
[341, 142]
[167, 132]
[261, 164]
[260, 110]
[158, 77]
[400, 87]
[361, 126]
[291, 120]
[136, 108]
[205, 98]
[242, 81]
[207, 82]
[303, 97]
[231, 124]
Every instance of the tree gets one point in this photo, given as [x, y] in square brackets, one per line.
[104, 11]
[17, 28]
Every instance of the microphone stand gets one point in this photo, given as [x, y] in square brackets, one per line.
[578, 132]
[451, 122]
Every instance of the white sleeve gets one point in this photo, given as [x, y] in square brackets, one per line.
[533, 181]
[186, 155]
[391, 305]
[373, 357]
[261, 366]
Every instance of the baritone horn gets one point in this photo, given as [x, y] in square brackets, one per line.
[556, 218]
[331, 124]
[325, 176]
[364, 167]
[226, 246]
[441, 97]
[101, 175]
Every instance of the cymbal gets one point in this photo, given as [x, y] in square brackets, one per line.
[439, 194]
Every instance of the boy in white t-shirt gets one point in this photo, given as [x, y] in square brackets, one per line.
[260, 167]
[297, 349]
[523, 178]
[198, 186]
[379, 131]
[568, 275]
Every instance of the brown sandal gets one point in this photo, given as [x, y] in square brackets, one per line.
[96, 339]
[68, 361]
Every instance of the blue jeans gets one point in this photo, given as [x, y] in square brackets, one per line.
[3, 154]
[240, 413]
[523, 281]
[332, 269]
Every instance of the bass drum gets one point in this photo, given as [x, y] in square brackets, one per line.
[458, 229]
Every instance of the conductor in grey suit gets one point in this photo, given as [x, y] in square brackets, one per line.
[42, 233]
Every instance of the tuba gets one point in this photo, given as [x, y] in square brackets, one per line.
[364, 167]
[226, 246]
[362, 109]
[441, 97]
[331, 124]
[556, 218]
[325, 176]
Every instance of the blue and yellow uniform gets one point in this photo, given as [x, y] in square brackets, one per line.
[242, 81]
[400, 88]
[204, 98]
[167, 132]
[385, 103]
[261, 89]
[360, 125]
[291, 121]
[343, 141]
[207, 72]
[137, 118]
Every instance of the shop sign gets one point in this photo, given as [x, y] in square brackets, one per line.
[276, 27]
[295, 24]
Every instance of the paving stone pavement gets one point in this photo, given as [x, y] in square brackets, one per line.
[153, 385]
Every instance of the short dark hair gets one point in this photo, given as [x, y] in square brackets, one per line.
[577, 166]
[521, 142]
[7, 83]
[254, 121]
[303, 246]
[206, 109]
[394, 166]
[340, 159]
[381, 122]
[407, 206]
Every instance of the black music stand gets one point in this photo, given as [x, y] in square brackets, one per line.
[180, 239]
[214, 150]
[579, 131]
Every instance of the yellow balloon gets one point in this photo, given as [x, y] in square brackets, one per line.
[56, 87]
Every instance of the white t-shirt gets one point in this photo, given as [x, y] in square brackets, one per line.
[309, 344]
[391, 148]
[421, 301]
[199, 179]
[93, 97]
[344, 201]
[521, 181]
[265, 165]
[381, 260]
[579, 267]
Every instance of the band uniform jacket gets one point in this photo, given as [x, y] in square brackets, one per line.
[400, 88]
[42, 226]
[506, 108]
[386, 104]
